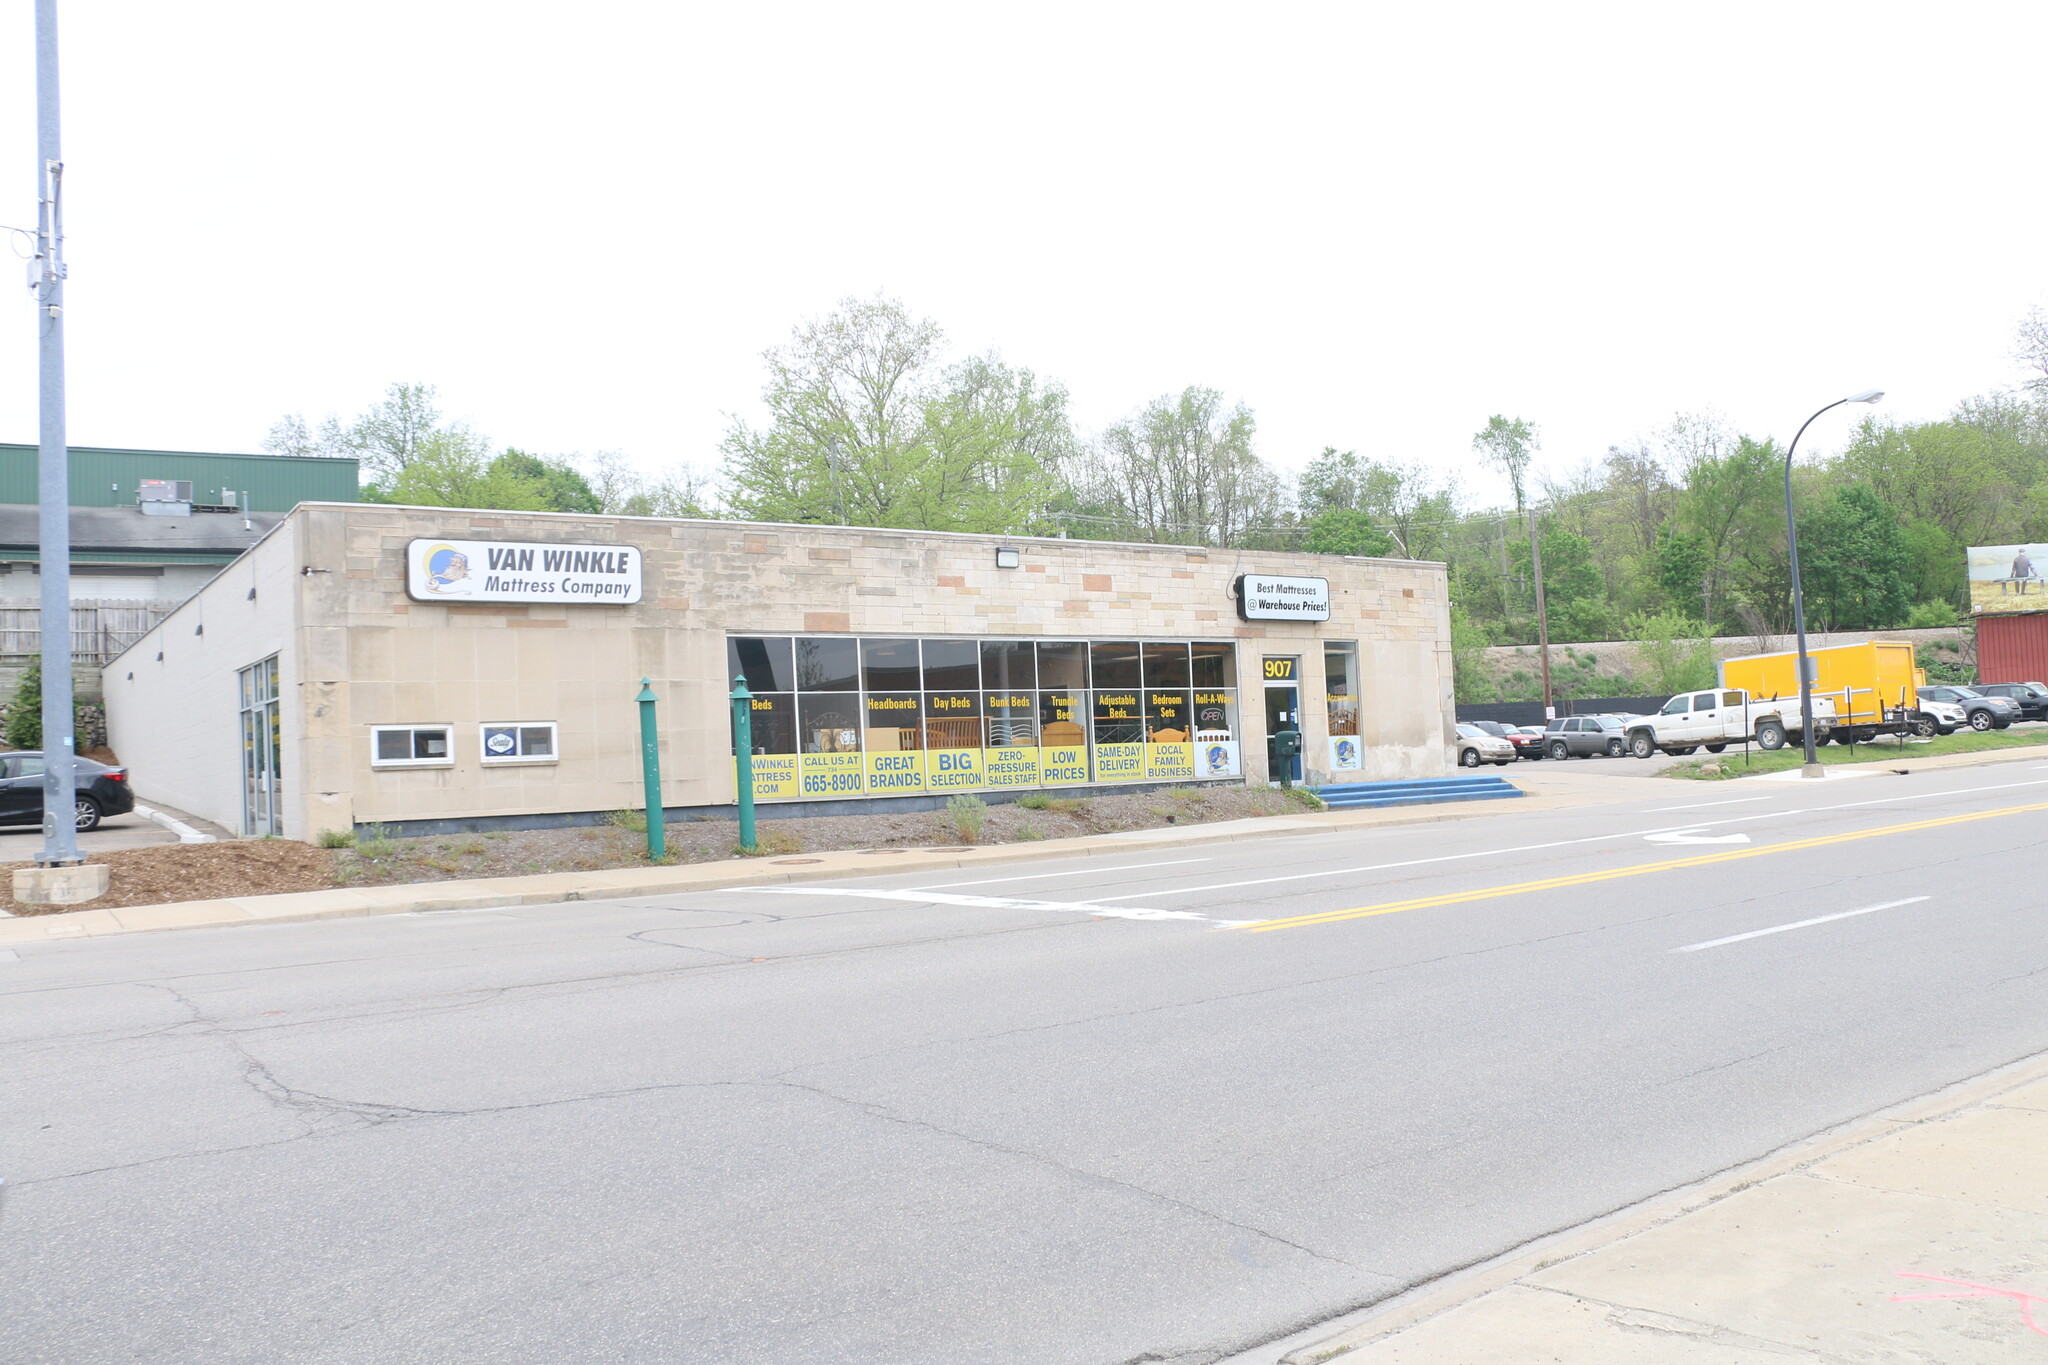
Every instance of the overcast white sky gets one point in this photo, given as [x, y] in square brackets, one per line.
[1374, 224]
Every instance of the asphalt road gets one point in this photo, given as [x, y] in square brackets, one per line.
[1161, 1106]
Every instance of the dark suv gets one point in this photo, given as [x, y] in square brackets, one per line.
[1586, 736]
[102, 790]
[2031, 696]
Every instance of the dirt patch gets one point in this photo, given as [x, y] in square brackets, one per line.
[254, 867]
[196, 872]
[265, 866]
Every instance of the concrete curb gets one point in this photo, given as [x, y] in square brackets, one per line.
[1340, 1336]
[618, 883]
[186, 834]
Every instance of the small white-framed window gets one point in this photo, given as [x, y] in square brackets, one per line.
[520, 741]
[411, 746]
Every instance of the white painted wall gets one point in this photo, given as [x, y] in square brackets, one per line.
[176, 722]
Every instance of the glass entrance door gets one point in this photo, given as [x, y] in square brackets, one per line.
[1283, 712]
[260, 745]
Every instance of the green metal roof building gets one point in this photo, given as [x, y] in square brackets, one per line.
[107, 478]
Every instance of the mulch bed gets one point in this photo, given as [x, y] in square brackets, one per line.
[254, 867]
[196, 872]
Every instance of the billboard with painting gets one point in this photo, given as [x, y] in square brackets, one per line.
[2008, 578]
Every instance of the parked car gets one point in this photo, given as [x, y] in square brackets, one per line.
[1979, 712]
[1529, 741]
[1477, 746]
[1586, 736]
[102, 791]
[2031, 696]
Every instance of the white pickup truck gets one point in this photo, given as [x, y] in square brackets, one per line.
[1713, 720]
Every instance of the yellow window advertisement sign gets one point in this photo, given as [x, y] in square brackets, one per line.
[952, 770]
[1169, 761]
[1064, 765]
[1119, 763]
[1015, 767]
[775, 777]
[829, 775]
[890, 774]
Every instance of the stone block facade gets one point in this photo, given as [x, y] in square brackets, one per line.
[326, 592]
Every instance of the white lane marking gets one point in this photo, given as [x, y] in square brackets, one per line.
[1695, 837]
[1706, 805]
[1567, 843]
[1798, 924]
[1075, 872]
[999, 903]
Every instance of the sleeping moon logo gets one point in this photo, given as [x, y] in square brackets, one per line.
[447, 570]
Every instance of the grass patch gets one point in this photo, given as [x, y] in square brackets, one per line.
[1721, 767]
[1035, 801]
[768, 843]
[967, 814]
[634, 820]
[1064, 805]
[1027, 831]
[337, 838]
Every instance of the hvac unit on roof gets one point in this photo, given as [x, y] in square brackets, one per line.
[164, 490]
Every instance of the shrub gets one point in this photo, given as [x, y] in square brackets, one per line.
[634, 820]
[25, 715]
[1929, 615]
[1036, 801]
[967, 814]
[769, 843]
[1029, 831]
[1305, 798]
[337, 838]
[377, 844]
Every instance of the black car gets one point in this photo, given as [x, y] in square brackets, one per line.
[102, 791]
[2031, 696]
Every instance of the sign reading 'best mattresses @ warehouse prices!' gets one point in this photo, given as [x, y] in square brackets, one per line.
[1266, 597]
[520, 571]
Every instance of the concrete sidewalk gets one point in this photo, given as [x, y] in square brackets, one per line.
[1917, 1235]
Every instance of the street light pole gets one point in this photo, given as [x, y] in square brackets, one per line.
[1812, 767]
[53, 478]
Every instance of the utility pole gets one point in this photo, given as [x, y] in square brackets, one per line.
[1542, 615]
[60, 780]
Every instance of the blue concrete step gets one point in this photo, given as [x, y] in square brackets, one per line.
[1415, 792]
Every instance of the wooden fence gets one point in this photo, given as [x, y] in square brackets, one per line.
[99, 630]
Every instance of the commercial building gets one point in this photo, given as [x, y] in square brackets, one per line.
[429, 668]
[148, 529]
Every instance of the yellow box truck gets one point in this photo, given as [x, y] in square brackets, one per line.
[1873, 685]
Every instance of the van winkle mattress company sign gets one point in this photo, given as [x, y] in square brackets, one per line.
[518, 571]
[1263, 597]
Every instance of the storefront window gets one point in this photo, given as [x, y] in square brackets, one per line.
[1166, 665]
[1062, 663]
[1113, 664]
[765, 664]
[889, 665]
[1214, 664]
[1006, 665]
[829, 723]
[951, 664]
[826, 665]
[1340, 679]
[899, 716]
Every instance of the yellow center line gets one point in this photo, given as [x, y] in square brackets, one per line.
[1614, 873]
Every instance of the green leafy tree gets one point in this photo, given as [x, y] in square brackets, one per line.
[1673, 653]
[558, 483]
[24, 728]
[1347, 533]
[1852, 561]
[1472, 678]
[1182, 471]
[453, 469]
[867, 428]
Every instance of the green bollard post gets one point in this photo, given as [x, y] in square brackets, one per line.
[650, 772]
[743, 758]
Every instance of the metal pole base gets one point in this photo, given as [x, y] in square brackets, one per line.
[1813, 770]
